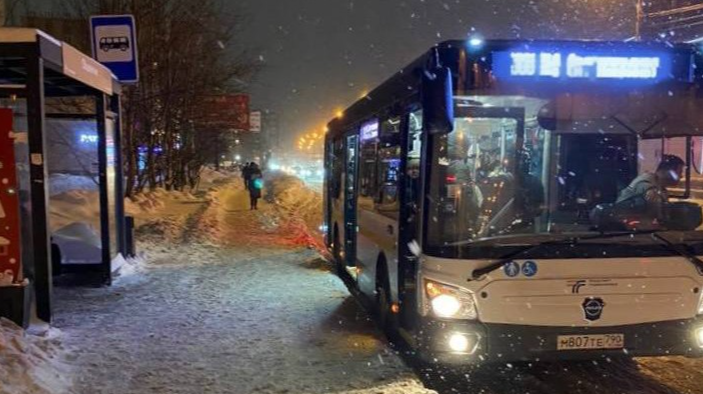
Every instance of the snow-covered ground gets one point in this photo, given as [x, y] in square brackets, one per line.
[234, 301]
[228, 300]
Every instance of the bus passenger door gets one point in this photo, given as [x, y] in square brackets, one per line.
[409, 239]
[328, 178]
[350, 186]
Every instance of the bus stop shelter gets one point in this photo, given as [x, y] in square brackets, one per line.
[35, 69]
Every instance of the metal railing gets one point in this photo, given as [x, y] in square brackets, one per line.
[684, 17]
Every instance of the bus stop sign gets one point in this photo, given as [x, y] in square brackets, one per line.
[114, 42]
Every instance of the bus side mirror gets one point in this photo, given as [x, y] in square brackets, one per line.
[438, 101]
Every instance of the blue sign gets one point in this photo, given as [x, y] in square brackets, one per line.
[369, 130]
[114, 42]
[529, 268]
[88, 138]
[643, 66]
[512, 269]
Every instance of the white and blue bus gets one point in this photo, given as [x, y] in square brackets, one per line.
[474, 200]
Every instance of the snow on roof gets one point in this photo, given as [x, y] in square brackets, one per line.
[23, 34]
[76, 64]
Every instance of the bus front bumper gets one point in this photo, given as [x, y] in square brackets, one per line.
[491, 343]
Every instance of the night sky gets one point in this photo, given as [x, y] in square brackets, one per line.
[320, 55]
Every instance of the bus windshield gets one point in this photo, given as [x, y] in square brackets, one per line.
[516, 166]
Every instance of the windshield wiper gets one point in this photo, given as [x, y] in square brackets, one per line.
[480, 272]
[693, 259]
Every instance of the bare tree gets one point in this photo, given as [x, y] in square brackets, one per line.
[186, 54]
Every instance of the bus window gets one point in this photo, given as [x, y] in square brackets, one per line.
[412, 170]
[337, 169]
[488, 176]
[415, 139]
[594, 168]
[367, 173]
[476, 168]
[388, 172]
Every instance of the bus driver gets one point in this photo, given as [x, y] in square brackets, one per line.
[651, 188]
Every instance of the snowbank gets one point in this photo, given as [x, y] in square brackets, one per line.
[209, 176]
[298, 203]
[74, 206]
[84, 206]
[30, 364]
[76, 199]
[407, 386]
[62, 183]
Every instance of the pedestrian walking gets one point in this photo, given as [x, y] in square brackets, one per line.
[246, 174]
[256, 183]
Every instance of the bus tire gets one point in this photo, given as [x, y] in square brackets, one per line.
[387, 320]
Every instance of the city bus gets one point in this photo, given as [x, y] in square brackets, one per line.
[475, 201]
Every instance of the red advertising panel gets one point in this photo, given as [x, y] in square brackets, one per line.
[227, 111]
[10, 269]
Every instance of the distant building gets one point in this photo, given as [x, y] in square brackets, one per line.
[271, 130]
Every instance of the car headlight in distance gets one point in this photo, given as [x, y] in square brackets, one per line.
[448, 302]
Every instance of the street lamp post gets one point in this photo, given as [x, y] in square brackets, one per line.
[639, 7]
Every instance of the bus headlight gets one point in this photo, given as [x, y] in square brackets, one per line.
[446, 305]
[700, 306]
[448, 302]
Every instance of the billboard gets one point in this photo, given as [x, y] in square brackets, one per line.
[10, 272]
[230, 111]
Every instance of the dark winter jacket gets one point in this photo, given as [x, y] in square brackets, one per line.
[256, 182]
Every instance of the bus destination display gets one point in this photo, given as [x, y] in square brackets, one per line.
[572, 65]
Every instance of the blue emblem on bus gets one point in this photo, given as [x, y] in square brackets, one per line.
[512, 269]
[529, 268]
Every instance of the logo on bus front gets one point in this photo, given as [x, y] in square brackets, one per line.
[593, 308]
[512, 269]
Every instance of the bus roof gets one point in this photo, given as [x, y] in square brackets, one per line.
[407, 79]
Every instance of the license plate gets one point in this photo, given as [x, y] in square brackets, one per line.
[584, 342]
